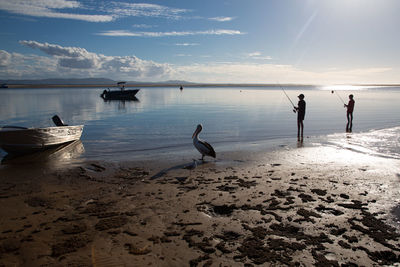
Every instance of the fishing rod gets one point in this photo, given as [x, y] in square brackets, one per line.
[339, 97]
[294, 108]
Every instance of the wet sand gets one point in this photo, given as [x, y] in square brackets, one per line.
[294, 207]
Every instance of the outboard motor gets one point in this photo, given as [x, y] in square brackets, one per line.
[58, 121]
[103, 95]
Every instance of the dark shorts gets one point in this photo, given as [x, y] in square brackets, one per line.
[300, 116]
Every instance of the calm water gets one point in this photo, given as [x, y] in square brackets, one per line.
[163, 119]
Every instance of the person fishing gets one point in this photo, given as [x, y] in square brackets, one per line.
[350, 108]
[301, 112]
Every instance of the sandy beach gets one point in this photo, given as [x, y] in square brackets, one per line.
[307, 206]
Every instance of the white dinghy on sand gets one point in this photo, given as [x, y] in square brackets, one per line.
[17, 140]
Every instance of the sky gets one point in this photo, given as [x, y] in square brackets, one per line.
[209, 41]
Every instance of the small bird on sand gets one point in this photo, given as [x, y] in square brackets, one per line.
[203, 147]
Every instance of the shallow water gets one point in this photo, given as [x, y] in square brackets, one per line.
[163, 119]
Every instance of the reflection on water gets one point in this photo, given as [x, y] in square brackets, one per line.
[164, 118]
[50, 158]
[382, 143]
[122, 104]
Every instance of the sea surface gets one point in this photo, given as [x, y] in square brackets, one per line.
[162, 120]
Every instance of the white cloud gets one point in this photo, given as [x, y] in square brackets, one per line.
[119, 33]
[50, 9]
[78, 62]
[241, 72]
[143, 26]
[56, 50]
[28, 66]
[60, 61]
[187, 44]
[167, 34]
[222, 19]
[103, 11]
[254, 54]
[4, 58]
[146, 10]
[257, 55]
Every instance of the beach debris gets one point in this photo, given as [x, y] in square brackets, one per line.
[195, 262]
[131, 173]
[181, 179]
[229, 236]
[10, 245]
[70, 245]
[74, 229]
[130, 233]
[319, 192]
[227, 188]
[356, 205]
[224, 210]
[306, 214]
[38, 201]
[109, 223]
[221, 246]
[137, 251]
[246, 184]
[306, 198]
[323, 209]
[345, 196]
[95, 167]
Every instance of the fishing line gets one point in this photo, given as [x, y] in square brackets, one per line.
[339, 97]
[294, 108]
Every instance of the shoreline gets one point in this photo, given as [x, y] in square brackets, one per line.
[309, 206]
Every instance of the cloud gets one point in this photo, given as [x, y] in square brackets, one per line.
[222, 19]
[187, 44]
[242, 72]
[143, 26]
[257, 55]
[56, 50]
[76, 61]
[146, 10]
[103, 11]
[4, 58]
[65, 62]
[254, 54]
[50, 9]
[168, 34]
[21, 66]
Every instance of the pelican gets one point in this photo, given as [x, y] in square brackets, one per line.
[203, 147]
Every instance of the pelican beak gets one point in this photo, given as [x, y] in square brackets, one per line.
[198, 130]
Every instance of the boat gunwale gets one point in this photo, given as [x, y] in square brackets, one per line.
[18, 128]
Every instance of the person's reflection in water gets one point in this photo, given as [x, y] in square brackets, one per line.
[350, 108]
[300, 143]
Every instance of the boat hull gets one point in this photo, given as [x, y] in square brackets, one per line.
[120, 95]
[18, 140]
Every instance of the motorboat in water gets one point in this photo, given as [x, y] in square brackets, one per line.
[122, 94]
[17, 140]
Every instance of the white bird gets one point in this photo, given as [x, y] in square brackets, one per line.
[203, 147]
